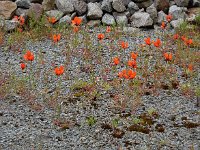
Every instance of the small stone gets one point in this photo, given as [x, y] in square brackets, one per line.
[94, 11]
[118, 5]
[108, 19]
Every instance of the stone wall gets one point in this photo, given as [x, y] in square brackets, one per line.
[135, 13]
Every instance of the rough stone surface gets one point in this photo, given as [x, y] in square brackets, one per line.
[48, 4]
[65, 6]
[55, 13]
[141, 19]
[121, 19]
[130, 30]
[176, 23]
[182, 3]
[153, 12]
[176, 12]
[21, 11]
[10, 25]
[108, 19]
[80, 7]
[162, 5]
[132, 7]
[145, 4]
[106, 5]
[65, 19]
[94, 11]
[35, 11]
[7, 9]
[118, 5]
[23, 3]
[161, 17]
[94, 23]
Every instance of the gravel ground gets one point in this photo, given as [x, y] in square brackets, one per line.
[23, 128]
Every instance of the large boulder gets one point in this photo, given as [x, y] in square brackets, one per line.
[94, 11]
[161, 17]
[182, 3]
[106, 5]
[23, 3]
[108, 19]
[144, 4]
[121, 18]
[48, 4]
[118, 5]
[35, 11]
[65, 19]
[141, 19]
[80, 7]
[176, 23]
[132, 7]
[10, 25]
[177, 12]
[7, 9]
[153, 12]
[162, 5]
[65, 6]
[21, 12]
[55, 13]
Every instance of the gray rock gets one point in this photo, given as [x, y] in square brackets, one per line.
[141, 19]
[126, 2]
[121, 19]
[35, 11]
[196, 3]
[118, 5]
[162, 5]
[153, 12]
[21, 11]
[55, 13]
[161, 17]
[108, 19]
[176, 23]
[10, 25]
[7, 9]
[65, 20]
[132, 7]
[176, 12]
[94, 11]
[48, 4]
[145, 4]
[65, 6]
[106, 5]
[182, 3]
[23, 3]
[131, 30]
[80, 7]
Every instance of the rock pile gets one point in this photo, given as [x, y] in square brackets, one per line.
[134, 13]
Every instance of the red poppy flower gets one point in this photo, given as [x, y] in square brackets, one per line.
[108, 29]
[183, 38]
[52, 20]
[132, 63]
[21, 20]
[75, 29]
[116, 60]
[23, 66]
[168, 56]
[157, 43]
[148, 41]
[176, 36]
[29, 56]
[163, 25]
[77, 21]
[120, 74]
[124, 45]
[188, 42]
[131, 74]
[134, 55]
[190, 67]
[56, 37]
[100, 36]
[169, 17]
[59, 70]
